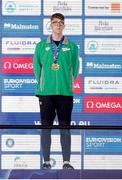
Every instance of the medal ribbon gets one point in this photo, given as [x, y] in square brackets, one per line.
[56, 52]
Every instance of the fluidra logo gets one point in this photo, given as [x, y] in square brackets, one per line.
[15, 42]
[109, 82]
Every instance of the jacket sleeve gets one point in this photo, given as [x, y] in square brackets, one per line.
[37, 64]
[75, 60]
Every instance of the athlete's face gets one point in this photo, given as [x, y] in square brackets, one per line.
[57, 25]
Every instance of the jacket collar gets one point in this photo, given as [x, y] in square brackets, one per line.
[65, 41]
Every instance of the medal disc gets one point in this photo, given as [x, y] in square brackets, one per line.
[55, 66]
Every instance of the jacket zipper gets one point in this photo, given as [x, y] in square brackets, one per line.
[56, 82]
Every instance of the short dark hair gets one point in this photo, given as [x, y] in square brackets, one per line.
[57, 15]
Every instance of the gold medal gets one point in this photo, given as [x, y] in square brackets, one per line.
[55, 67]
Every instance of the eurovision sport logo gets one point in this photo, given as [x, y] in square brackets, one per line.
[103, 144]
